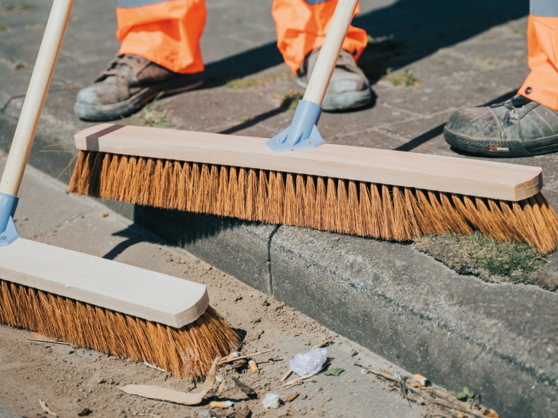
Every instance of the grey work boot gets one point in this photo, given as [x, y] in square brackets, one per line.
[127, 85]
[515, 128]
[348, 88]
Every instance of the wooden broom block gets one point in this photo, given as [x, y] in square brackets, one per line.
[479, 178]
[108, 284]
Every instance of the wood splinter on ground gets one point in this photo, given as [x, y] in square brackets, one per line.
[230, 360]
[303, 379]
[46, 408]
[156, 392]
[431, 396]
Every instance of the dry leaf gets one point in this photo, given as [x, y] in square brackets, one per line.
[105, 214]
[85, 412]
[156, 392]
[45, 408]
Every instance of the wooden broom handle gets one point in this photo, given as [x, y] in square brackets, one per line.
[319, 80]
[35, 97]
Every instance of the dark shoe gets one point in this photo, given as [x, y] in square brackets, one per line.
[348, 88]
[517, 127]
[127, 85]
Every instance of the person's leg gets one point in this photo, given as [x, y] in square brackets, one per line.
[527, 124]
[541, 85]
[165, 32]
[301, 29]
[160, 53]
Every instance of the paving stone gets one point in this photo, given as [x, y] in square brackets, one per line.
[511, 77]
[505, 49]
[441, 95]
[422, 134]
[442, 64]
[58, 119]
[217, 109]
[370, 139]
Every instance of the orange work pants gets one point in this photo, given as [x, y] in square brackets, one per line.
[168, 32]
[541, 84]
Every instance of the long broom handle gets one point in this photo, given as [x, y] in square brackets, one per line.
[35, 97]
[319, 80]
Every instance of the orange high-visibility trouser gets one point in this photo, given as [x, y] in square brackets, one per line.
[168, 32]
[541, 84]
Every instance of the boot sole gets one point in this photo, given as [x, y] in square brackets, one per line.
[132, 104]
[343, 101]
[502, 149]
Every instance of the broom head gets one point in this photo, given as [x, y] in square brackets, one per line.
[359, 191]
[118, 309]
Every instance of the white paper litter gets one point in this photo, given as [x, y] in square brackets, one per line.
[308, 363]
[271, 400]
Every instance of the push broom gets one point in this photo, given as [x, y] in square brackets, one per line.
[108, 306]
[296, 179]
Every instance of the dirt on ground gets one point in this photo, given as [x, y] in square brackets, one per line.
[71, 379]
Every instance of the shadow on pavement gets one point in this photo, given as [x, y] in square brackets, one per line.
[438, 130]
[419, 27]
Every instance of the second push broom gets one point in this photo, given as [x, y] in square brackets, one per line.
[296, 179]
[95, 303]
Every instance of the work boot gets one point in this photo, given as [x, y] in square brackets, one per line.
[348, 88]
[128, 83]
[517, 127]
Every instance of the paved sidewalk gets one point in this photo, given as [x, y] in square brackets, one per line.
[500, 339]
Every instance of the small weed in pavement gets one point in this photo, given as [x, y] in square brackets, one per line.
[18, 8]
[151, 115]
[383, 43]
[488, 61]
[405, 78]
[244, 119]
[509, 259]
[3, 28]
[289, 100]
[259, 81]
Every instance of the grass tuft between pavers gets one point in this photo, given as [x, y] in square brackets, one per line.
[405, 78]
[288, 100]
[152, 114]
[259, 81]
[485, 257]
[18, 8]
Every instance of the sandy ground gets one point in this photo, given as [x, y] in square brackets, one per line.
[70, 379]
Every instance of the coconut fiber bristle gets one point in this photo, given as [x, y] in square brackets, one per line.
[186, 352]
[329, 204]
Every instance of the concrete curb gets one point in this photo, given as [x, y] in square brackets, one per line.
[500, 340]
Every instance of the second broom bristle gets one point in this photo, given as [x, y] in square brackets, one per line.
[329, 204]
[186, 352]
